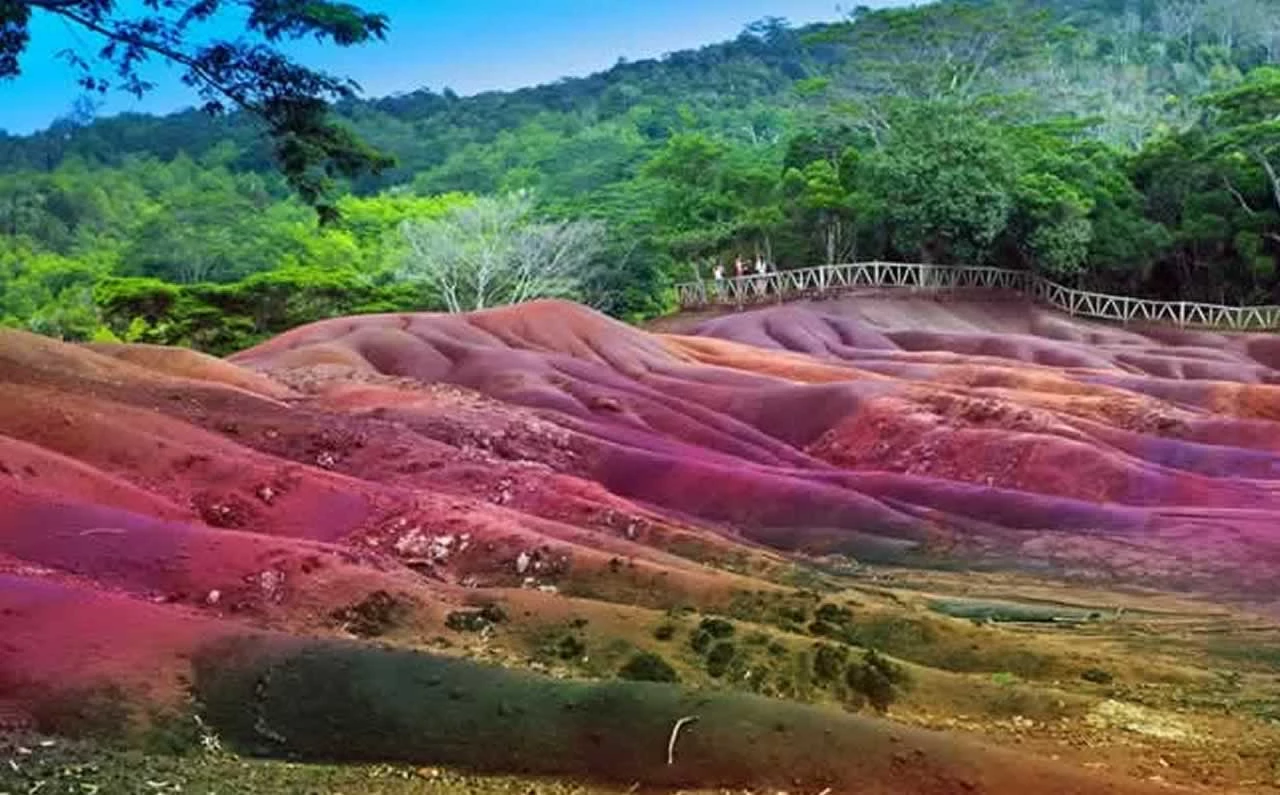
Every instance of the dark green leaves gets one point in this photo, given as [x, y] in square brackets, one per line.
[14, 17]
[342, 23]
[290, 99]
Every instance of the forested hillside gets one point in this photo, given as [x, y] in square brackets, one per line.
[1129, 145]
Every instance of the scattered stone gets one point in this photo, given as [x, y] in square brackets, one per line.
[271, 582]
[1139, 720]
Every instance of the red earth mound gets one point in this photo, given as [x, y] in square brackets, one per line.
[816, 427]
[546, 447]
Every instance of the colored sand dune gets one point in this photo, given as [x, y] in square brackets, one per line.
[173, 524]
[1089, 450]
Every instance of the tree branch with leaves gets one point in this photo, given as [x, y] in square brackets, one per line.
[1247, 118]
[248, 73]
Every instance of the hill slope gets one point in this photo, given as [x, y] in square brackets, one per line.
[542, 487]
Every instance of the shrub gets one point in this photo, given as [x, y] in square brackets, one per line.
[720, 658]
[829, 662]
[570, 647]
[372, 616]
[222, 318]
[709, 630]
[794, 614]
[834, 614]
[475, 620]
[648, 667]
[717, 628]
[876, 679]
[665, 631]
[832, 621]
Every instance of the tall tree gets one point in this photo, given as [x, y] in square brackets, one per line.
[1249, 119]
[821, 200]
[944, 184]
[944, 50]
[696, 211]
[495, 252]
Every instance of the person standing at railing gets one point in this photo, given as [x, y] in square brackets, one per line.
[739, 288]
[718, 273]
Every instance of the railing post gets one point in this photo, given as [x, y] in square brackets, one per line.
[788, 285]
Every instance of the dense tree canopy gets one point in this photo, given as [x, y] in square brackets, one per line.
[1121, 145]
[248, 73]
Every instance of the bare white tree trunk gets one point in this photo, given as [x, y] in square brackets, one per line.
[1273, 176]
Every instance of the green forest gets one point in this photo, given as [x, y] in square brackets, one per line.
[1122, 145]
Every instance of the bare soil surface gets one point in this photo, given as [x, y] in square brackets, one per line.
[1060, 538]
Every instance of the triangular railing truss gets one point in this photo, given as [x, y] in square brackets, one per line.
[831, 280]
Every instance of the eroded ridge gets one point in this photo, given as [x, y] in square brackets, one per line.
[770, 502]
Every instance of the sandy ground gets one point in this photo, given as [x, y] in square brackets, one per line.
[554, 457]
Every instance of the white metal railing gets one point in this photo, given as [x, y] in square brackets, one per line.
[828, 279]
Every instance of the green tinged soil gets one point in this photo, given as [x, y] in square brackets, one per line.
[341, 702]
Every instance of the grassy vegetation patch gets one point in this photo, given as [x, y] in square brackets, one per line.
[648, 667]
[950, 647]
[57, 766]
[1265, 656]
[720, 658]
[708, 632]
[374, 616]
[876, 680]
[343, 701]
[787, 611]
[1010, 612]
[110, 717]
[829, 662]
[101, 713]
[475, 620]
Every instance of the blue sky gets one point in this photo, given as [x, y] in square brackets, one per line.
[468, 46]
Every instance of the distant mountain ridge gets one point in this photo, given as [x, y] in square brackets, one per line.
[764, 62]
[1118, 60]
